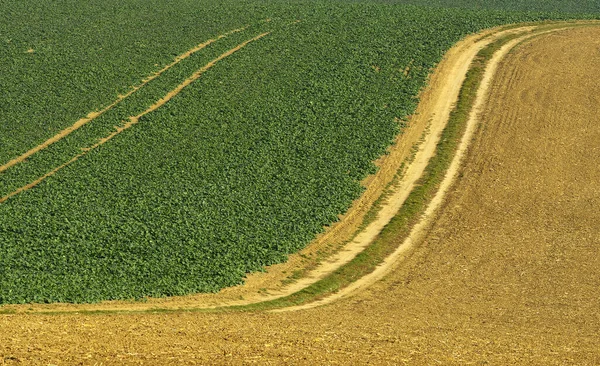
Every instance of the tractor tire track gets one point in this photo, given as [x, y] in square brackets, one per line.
[93, 115]
[133, 120]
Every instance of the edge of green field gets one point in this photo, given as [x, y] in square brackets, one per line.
[396, 231]
[399, 227]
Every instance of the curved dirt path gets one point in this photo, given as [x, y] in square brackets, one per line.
[426, 151]
[434, 111]
[427, 124]
[93, 115]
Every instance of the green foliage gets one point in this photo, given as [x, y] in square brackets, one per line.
[550, 6]
[243, 167]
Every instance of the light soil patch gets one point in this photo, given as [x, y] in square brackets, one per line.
[93, 115]
[508, 274]
[135, 119]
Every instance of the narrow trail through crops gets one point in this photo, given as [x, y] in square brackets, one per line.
[93, 115]
[508, 273]
[425, 152]
[430, 118]
[135, 119]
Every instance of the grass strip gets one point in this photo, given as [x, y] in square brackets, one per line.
[400, 226]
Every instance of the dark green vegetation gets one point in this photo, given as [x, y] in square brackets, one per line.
[243, 167]
[554, 6]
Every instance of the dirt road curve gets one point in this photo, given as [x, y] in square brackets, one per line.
[509, 273]
[427, 123]
[427, 150]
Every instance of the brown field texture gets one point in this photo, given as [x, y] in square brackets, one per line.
[508, 274]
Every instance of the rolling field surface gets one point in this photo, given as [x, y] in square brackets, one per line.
[508, 274]
[245, 165]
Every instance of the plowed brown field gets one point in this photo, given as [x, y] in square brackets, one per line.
[509, 273]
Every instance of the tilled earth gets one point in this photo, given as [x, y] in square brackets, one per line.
[509, 274]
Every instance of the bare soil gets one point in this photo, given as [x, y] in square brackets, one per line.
[508, 274]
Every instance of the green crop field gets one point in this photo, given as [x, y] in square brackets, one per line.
[226, 134]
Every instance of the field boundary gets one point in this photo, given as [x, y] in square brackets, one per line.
[93, 115]
[420, 229]
[332, 289]
[133, 120]
[319, 288]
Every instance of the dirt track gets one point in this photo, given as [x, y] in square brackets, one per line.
[509, 274]
[430, 118]
[133, 120]
[93, 115]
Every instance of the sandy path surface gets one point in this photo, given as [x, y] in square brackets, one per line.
[93, 115]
